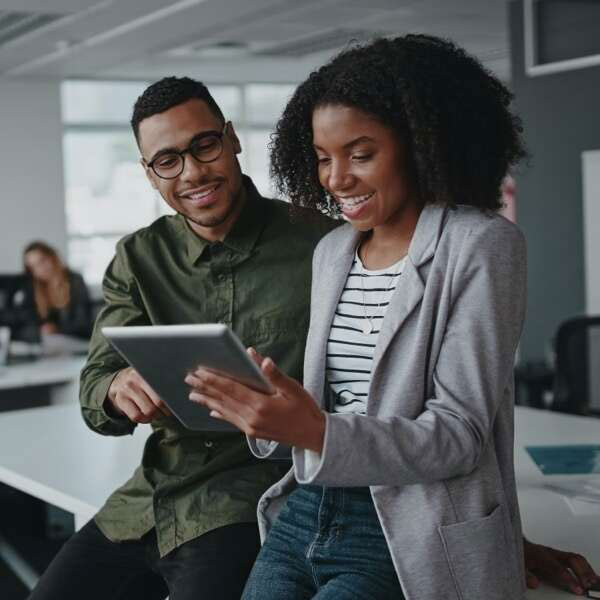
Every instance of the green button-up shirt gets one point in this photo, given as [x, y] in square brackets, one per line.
[257, 281]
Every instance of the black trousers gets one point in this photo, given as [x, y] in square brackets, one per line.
[214, 566]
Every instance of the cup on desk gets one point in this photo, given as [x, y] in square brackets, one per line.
[4, 344]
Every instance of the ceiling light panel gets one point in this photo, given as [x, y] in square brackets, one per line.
[326, 40]
[15, 24]
[372, 5]
[48, 6]
[328, 16]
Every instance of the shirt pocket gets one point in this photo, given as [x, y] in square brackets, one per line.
[275, 326]
[280, 335]
[476, 551]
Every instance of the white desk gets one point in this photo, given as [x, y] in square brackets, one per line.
[66, 464]
[547, 519]
[49, 453]
[61, 373]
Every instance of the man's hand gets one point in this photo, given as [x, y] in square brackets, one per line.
[129, 395]
[565, 570]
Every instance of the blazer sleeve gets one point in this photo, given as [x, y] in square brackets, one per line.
[470, 377]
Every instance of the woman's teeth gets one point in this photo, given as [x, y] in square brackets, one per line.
[353, 201]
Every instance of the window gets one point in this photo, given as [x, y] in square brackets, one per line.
[107, 193]
[560, 35]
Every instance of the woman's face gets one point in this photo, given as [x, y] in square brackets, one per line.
[362, 164]
[40, 265]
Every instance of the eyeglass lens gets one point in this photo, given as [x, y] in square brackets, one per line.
[204, 150]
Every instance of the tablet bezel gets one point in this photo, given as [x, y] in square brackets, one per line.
[213, 345]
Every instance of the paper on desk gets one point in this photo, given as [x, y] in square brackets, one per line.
[19, 348]
[581, 508]
[57, 343]
[578, 491]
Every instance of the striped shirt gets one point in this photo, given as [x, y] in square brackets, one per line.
[351, 346]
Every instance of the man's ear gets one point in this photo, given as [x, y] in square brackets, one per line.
[149, 174]
[230, 131]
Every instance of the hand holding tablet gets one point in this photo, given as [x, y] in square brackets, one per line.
[164, 355]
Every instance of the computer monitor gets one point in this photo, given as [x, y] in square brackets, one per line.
[17, 308]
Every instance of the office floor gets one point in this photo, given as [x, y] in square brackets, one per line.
[26, 525]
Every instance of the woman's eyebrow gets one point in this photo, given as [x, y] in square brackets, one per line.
[358, 140]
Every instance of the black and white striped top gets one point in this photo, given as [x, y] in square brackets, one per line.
[349, 348]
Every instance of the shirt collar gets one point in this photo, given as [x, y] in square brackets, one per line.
[245, 231]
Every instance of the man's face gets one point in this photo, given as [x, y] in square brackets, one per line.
[209, 195]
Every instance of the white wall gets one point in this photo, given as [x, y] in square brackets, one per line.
[32, 202]
[591, 227]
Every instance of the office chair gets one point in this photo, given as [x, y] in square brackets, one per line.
[577, 370]
[17, 310]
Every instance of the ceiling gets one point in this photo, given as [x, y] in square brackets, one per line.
[226, 40]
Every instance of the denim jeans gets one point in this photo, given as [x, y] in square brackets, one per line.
[326, 544]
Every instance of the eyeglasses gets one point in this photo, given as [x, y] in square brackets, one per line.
[205, 148]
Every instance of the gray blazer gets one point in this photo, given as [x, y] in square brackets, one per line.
[436, 445]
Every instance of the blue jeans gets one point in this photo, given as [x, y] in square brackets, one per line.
[326, 544]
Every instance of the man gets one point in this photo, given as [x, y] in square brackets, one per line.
[185, 523]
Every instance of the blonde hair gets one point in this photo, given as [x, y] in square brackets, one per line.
[53, 294]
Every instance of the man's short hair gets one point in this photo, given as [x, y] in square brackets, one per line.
[167, 93]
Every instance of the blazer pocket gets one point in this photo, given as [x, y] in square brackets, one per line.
[476, 551]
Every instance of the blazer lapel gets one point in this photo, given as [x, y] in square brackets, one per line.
[411, 287]
[332, 279]
[408, 294]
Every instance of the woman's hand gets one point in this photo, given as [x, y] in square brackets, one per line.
[48, 328]
[289, 415]
[565, 570]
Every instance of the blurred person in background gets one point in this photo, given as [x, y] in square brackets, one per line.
[60, 296]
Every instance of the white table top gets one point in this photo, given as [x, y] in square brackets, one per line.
[48, 370]
[50, 453]
[546, 516]
[70, 466]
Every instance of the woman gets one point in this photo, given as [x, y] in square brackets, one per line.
[61, 298]
[402, 484]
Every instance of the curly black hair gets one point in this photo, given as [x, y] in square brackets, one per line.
[449, 111]
[167, 93]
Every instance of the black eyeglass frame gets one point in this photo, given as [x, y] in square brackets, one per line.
[188, 150]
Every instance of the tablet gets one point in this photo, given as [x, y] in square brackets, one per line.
[164, 354]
